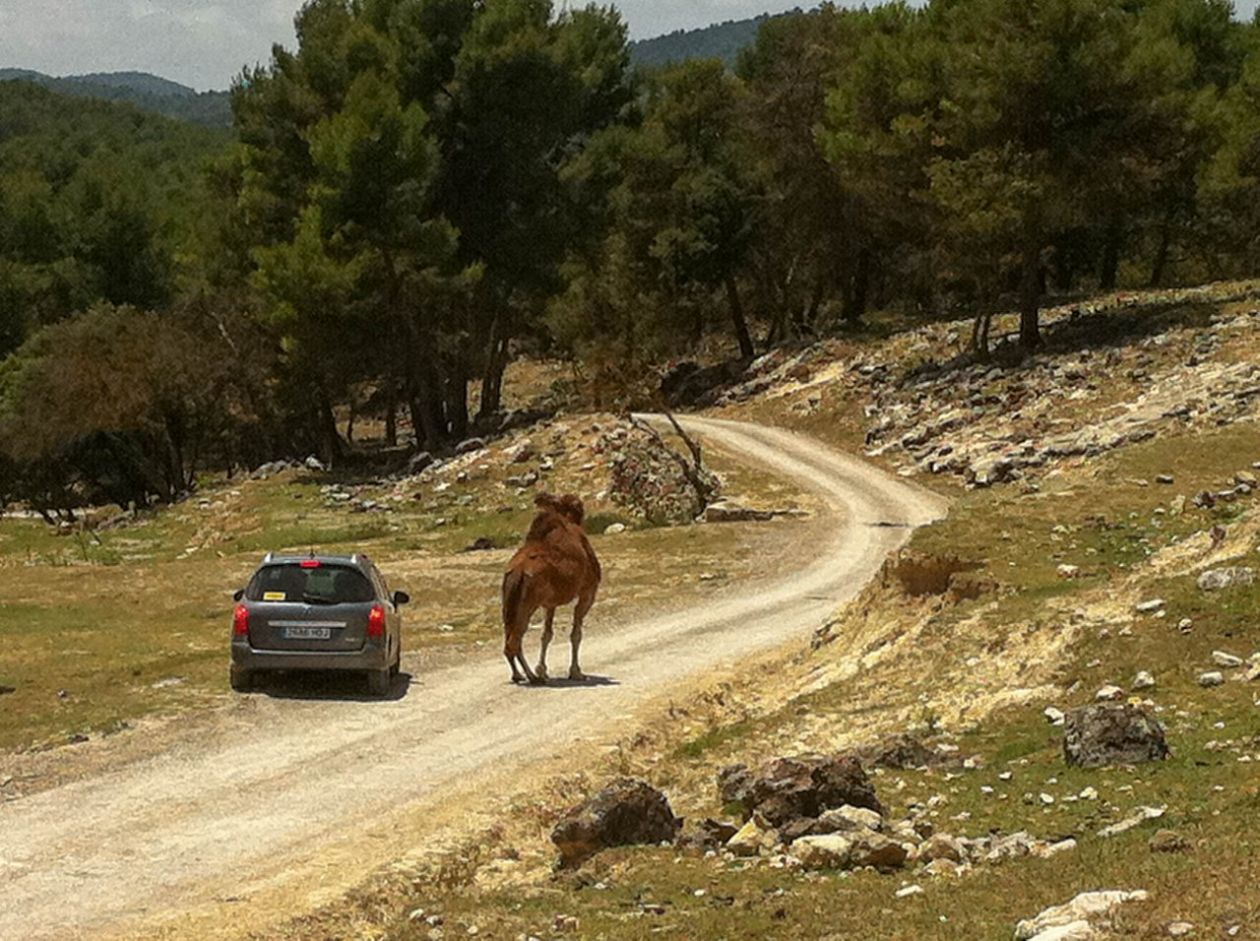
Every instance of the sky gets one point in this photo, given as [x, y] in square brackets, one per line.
[205, 43]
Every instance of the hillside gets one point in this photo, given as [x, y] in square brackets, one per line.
[145, 91]
[722, 41]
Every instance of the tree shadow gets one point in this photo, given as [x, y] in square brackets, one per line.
[328, 687]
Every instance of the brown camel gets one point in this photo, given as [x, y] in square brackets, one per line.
[555, 567]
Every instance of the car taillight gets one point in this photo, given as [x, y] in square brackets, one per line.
[376, 622]
[240, 621]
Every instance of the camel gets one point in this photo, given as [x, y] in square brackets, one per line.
[555, 568]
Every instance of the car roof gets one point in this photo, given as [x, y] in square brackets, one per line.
[358, 560]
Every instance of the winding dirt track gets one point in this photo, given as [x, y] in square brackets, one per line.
[143, 843]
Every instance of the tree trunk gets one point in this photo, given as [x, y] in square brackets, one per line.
[1110, 265]
[391, 415]
[1160, 264]
[492, 383]
[746, 348]
[856, 297]
[457, 394]
[329, 439]
[1030, 298]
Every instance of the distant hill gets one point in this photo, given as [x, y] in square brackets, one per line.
[148, 92]
[722, 41]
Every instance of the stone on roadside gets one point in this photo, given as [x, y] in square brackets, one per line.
[791, 790]
[470, 445]
[626, 813]
[418, 463]
[1050, 850]
[1150, 607]
[724, 512]
[899, 751]
[1143, 680]
[1135, 819]
[1109, 694]
[1112, 734]
[1054, 716]
[1180, 929]
[942, 846]
[1211, 678]
[616, 529]
[848, 820]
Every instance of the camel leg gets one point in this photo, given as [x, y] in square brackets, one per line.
[513, 649]
[548, 633]
[575, 639]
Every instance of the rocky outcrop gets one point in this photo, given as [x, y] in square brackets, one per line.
[626, 813]
[1078, 919]
[795, 792]
[1112, 734]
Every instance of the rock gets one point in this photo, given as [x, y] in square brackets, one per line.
[1165, 479]
[420, 462]
[943, 846]
[1220, 579]
[1136, 819]
[790, 789]
[1150, 607]
[313, 463]
[848, 820]
[1050, 850]
[470, 445]
[628, 812]
[1227, 660]
[1143, 680]
[481, 544]
[828, 851]
[616, 529]
[938, 868]
[5, 690]
[1168, 841]
[1112, 734]
[751, 839]
[1088, 908]
[1012, 846]
[1054, 716]
[1109, 694]
[1073, 931]
[1069, 571]
[1180, 929]
[877, 850]
[908, 892]
[710, 834]
[901, 751]
[735, 513]
[1214, 678]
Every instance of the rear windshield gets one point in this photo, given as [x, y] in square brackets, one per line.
[327, 584]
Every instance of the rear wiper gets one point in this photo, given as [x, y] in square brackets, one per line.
[317, 599]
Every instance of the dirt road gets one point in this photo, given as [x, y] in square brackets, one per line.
[221, 815]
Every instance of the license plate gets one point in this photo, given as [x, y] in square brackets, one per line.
[308, 633]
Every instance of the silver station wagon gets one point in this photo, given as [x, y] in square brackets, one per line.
[317, 613]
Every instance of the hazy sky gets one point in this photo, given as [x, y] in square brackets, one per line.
[204, 43]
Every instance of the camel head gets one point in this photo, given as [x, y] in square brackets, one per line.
[568, 506]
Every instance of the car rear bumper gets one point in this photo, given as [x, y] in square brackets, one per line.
[369, 658]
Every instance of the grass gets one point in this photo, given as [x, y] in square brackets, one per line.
[100, 629]
[1098, 516]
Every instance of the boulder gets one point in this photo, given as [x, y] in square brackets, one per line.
[848, 820]
[710, 834]
[626, 813]
[829, 851]
[1112, 734]
[751, 839]
[901, 751]
[1211, 678]
[1221, 579]
[1227, 660]
[877, 850]
[420, 462]
[735, 513]
[942, 846]
[1089, 908]
[787, 790]
[1168, 841]
[470, 445]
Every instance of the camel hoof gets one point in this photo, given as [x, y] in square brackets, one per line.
[542, 673]
[538, 681]
[577, 676]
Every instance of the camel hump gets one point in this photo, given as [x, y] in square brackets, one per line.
[569, 506]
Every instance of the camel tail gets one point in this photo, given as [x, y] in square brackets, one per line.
[513, 595]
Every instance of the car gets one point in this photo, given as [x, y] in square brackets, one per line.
[317, 613]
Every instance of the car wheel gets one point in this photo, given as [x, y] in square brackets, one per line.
[379, 681]
[241, 681]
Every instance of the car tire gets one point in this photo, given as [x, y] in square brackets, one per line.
[241, 680]
[380, 681]
[397, 667]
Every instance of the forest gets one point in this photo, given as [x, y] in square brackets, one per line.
[425, 190]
